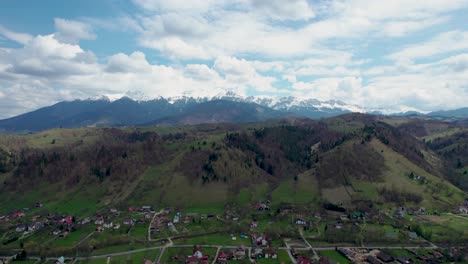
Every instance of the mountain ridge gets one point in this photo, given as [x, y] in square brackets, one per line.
[136, 108]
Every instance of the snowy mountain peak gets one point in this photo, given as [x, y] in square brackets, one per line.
[139, 96]
[285, 104]
[99, 98]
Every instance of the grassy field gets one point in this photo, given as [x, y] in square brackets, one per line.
[396, 176]
[216, 239]
[301, 191]
[444, 133]
[334, 255]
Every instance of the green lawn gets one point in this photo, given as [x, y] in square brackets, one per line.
[73, 238]
[301, 191]
[215, 239]
[140, 232]
[171, 252]
[334, 255]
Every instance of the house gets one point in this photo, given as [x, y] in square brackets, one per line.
[99, 229]
[85, 221]
[64, 234]
[56, 232]
[39, 204]
[147, 261]
[18, 214]
[67, 220]
[303, 260]
[30, 228]
[171, 227]
[271, 253]
[203, 216]
[239, 253]
[254, 224]
[260, 240]
[132, 209]
[222, 257]
[257, 252]
[384, 257]
[186, 220]
[20, 228]
[463, 210]
[300, 221]
[176, 218]
[116, 226]
[38, 225]
[148, 216]
[262, 207]
[197, 252]
[108, 225]
[147, 208]
[343, 217]
[99, 221]
[128, 221]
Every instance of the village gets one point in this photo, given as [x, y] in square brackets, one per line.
[262, 234]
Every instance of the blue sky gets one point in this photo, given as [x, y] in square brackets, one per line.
[388, 55]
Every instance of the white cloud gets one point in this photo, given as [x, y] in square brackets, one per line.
[21, 38]
[402, 28]
[289, 10]
[315, 48]
[121, 63]
[443, 43]
[205, 30]
[70, 31]
[46, 57]
[176, 5]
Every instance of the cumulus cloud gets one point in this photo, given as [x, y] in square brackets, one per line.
[45, 56]
[122, 63]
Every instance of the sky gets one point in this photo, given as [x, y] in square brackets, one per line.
[389, 55]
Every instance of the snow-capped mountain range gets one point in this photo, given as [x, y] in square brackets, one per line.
[277, 103]
[136, 108]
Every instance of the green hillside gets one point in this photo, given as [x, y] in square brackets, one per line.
[341, 160]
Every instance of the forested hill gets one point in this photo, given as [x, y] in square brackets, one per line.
[347, 160]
